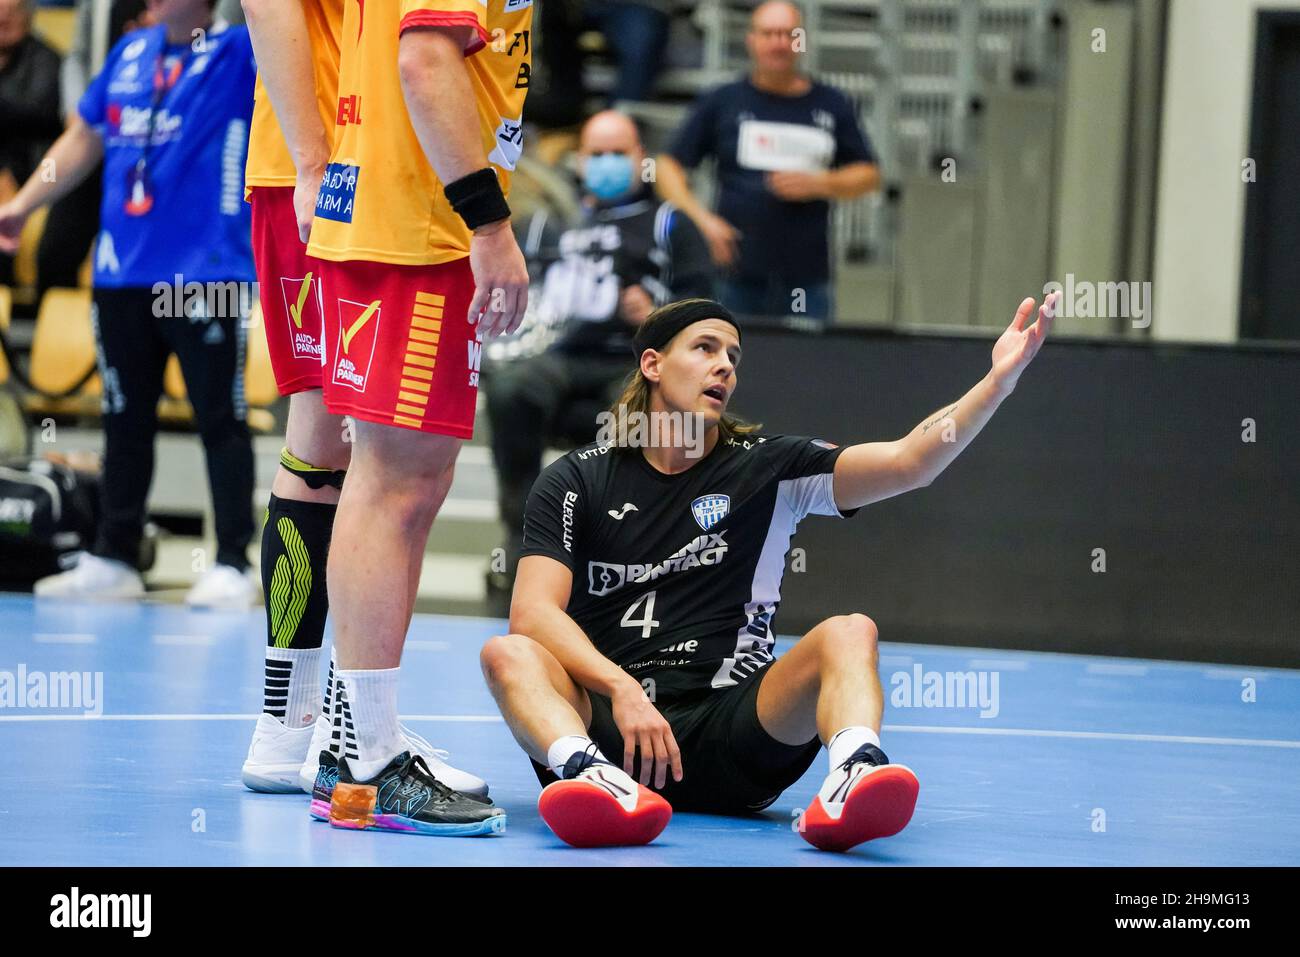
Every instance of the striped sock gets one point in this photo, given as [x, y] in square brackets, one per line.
[343, 738]
[291, 693]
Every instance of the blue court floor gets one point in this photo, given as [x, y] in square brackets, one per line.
[1086, 761]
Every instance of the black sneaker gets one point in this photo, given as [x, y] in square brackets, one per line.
[327, 775]
[405, 796]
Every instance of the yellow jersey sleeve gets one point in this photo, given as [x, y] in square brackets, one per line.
[269, 162]
[448, 13]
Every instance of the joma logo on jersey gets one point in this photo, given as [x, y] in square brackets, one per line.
[357, 333]
[604, 577]
[303, 312]
[349, 110]
[710, 509]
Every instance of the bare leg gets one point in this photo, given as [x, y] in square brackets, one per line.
[538, 699]
[314, 435]
[826, 682]
[396, 484]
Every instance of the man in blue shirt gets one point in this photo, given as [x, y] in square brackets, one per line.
[169, 115]
[785, 146]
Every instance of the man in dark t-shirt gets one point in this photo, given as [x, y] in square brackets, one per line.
[642, 616]
[785, 146]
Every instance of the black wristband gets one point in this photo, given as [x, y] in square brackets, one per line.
[477, 198]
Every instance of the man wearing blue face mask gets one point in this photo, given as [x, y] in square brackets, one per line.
[601, 276]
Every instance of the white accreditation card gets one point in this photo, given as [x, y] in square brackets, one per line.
[784, 146]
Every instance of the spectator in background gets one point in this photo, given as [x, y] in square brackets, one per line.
[169, 115]
[601, 277]
[786, 145]
[636, 31]
[29, 104]
[74, 220]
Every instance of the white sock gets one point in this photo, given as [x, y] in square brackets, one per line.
[558, 754]
[847, 740]
[291, 693]
[327, 693]
[372, 701]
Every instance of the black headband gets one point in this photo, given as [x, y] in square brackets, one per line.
[666, 321]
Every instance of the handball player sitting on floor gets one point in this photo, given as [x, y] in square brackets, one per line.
[641, 644]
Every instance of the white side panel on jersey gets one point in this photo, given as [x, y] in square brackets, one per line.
[811, 495]
[754, 640]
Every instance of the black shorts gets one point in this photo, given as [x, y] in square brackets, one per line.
[730, 765]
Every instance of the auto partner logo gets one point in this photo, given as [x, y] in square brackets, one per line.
[604, 577]
[302, 309]
[710, 509]
[357, 334]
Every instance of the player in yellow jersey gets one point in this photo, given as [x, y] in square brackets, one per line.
[418, 265]
[297, 44]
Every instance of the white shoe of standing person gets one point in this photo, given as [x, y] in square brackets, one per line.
[92, 578]
[224, 587]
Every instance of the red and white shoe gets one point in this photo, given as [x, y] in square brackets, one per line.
[599, 805]
[865, 798]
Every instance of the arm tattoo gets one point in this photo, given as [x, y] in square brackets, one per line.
[938, 418]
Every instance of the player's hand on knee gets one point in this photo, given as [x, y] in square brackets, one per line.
[500, 280]
[645, 729]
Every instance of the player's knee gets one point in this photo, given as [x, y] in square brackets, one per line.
[853, 636]
[506, 656]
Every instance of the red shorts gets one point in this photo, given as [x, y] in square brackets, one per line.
[290, 285]
[399, 348]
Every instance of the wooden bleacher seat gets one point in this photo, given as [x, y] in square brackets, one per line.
[25, 258]
[56, 26]
[6, 309]
[63, 348]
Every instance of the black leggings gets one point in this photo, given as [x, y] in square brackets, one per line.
[133, 348]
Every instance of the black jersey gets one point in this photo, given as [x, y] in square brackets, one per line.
[677, 578]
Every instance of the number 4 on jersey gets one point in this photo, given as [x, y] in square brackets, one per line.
[646, 624]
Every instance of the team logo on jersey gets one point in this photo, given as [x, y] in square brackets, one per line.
[303, 311]
[357, 334]
[710, 509]
[338, 191]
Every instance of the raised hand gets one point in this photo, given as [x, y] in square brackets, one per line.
[1016, 347]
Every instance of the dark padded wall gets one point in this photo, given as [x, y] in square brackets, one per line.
[1136, 449]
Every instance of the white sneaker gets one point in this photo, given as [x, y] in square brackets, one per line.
[223, 586]
[93, 579]
[435, 758]
[275, 755]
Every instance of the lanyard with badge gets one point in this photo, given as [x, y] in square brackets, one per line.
[139, 194]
